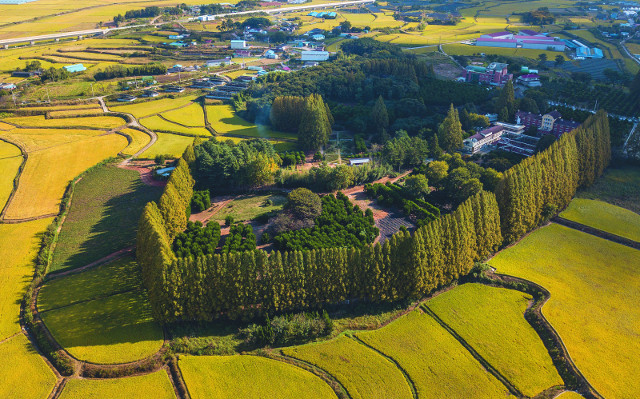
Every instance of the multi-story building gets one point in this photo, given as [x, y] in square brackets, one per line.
[550, 123]
[484, 137]
[495, 74]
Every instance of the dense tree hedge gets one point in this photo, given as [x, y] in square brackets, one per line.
[341, 224]
[391, 194]
[119, 71]
[241, 238]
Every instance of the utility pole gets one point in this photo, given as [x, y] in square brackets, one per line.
[93, 94]
[48, 97]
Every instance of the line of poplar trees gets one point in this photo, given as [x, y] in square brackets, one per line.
[539, 186]
[253, 283]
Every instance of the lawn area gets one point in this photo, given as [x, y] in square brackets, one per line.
[191, 115]
[249, 377]
[363, 372]
[106, 204]
[157, 124]
[492, 321]
[36, 196]
[604, 216]
[154, 385]
[595, 287]
[168, 144]
[24, 374]
[249, 206]
[146, 108]
[618, 186]
[98, 122]
[438, 365]
[10, 161]
[117, 327]
[19, 244]
[224, 121]
[138, 140]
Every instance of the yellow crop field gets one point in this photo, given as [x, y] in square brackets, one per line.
[19, 244]
[63, 107]
[97, 122]
[36, 196]
[382, 20]
[154, 385]
[76, 112]
[24, 374]
[363, 372]
[492, 321]
[239, 72]
[224, 121]
[10, 161]
[604, 216]
[156, 123]
[168, 144]
[6, 126]
[438, 365]
[569, 395]
[249, 377]
[146, 108]
[191, 115]
[594, 286]
[39, 139]
[139, 140]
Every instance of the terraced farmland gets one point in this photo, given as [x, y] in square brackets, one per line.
[191, 115]
[492, 321]
[604, 216]
[10, 161]
[98, 122]
[168, 144]
[363, 372]
[157, 124]
[22, 363]
[249, 377]
[154, 385]
[138, 141]
[224, 121]
[436, 362]
[592, 283]
[147, 108]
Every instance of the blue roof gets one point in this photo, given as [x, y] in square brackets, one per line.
[570, 44]
[75, 68]
[312, 14]
[592, 52]
[332, 14]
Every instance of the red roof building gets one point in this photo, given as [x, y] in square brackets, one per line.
[550, 123]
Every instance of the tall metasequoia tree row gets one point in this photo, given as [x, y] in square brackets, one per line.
[315, 125]
[507, 100]
[450, 131]
[379, 119]
[286, 112]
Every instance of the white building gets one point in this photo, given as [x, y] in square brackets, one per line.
[317, 37]
[217, 63]
[239, 45]
[484, 137]
[315, 55]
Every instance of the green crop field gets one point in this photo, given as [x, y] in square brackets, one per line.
[618, 186]
[19, 244]
[168, 144]
[146, 108]
[98, 122]
[224, 121]
[24, 374]
[592, 283]
[101, 316]
[436, 362]
[363, 372]
[157, 124]
[154, 385]
[10, 161]
[248, 207]
[465, 49]
[138, 141]
[191, 115]
[106, 204]
[249, 377]
[492, 321]
[604, 216]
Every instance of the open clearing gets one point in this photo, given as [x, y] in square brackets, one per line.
[492, 321]
[363, 372]
[438, 365]
[109, 324]
[36, 196]
[168, 144]
[24, 365]
[218, 377]
[105, 202]
[154, 385]
[248, 207]
[604, 216]
[592, 282]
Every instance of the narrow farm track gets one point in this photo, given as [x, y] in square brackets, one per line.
[597, 232]
[111, 257]
[329, 378]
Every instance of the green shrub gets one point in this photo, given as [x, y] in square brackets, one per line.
[288, 329]
[229, 220]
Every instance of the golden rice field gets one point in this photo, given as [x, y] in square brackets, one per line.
[438, 365]
[146, 108]
[594, 286]
[604, 216]
[10, 161]
[76, 112]
[168, 144]
[138, 140]
[19, 244]
[24, 374]
[191, 115]
[569, 395]
[154, 385]
[224, 121]
[363, 372]
[40, 139]
[63, 107]
[97, 122]
[492, 321]
[36, 196]
[221, 377]
[157, 124]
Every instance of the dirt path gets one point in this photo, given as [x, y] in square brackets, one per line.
[113, 256]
